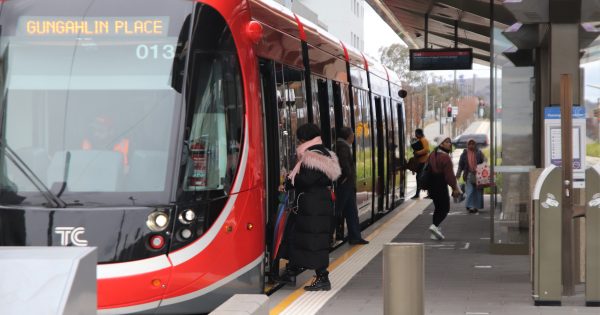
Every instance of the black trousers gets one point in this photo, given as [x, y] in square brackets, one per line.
[441, 198]
[345, 204]
[419, 171]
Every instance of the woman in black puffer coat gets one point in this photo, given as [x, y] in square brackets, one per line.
[312, 178]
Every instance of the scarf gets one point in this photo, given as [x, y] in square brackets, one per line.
[472, 161]
[444, 150]
[300, 153]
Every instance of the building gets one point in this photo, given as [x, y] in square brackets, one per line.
[342, 18]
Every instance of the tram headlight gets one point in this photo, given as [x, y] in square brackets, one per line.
[187, 216]
[157, 221]
[186, 234]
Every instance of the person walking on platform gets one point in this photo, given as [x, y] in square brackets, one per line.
[442, 176]
[467, 166]
[421, 152]
[312, 179]
[346, 186]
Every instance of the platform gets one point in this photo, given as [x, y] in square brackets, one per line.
[461, 276]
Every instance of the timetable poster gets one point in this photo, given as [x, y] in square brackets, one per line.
[553, 143]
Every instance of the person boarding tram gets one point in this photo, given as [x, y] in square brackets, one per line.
[312, 177]
[346, 186]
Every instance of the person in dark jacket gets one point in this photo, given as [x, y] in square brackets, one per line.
[421, 154]
[346, 186]
[312, 179]
[442, 176]
[467, 166]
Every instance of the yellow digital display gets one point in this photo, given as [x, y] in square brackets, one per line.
[115, 26]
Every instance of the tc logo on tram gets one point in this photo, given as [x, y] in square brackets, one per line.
[71, 235]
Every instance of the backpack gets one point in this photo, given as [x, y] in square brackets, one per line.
[425, 177]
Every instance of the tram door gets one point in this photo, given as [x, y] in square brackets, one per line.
[341, 118]
[389, 161]
[284, 110]
[323, 111]
[393, 155]
[329, 99]
[379, 155]
[400, 180]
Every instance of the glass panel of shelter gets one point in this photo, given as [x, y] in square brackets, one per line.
[514, 125]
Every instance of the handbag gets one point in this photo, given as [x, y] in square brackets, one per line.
[416, 145]
[413, 165]
[483, 175]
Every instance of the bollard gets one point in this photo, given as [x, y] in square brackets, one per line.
[403, 278]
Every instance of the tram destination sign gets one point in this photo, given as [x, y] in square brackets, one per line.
[34, 26]
[441, 59]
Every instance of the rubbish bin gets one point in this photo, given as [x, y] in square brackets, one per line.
[403, 278]
[547, 242]
[592, 239]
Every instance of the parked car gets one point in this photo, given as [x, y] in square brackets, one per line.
[481, 139]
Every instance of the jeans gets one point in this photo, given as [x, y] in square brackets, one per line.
[474, 196]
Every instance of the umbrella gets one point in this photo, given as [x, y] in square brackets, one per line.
[282, 215]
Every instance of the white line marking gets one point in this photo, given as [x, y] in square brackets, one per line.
[312, 302]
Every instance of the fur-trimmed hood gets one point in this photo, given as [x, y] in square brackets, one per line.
[329, 165]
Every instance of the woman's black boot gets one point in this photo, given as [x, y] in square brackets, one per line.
[321, 283]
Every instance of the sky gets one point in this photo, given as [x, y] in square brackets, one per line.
[378, 34]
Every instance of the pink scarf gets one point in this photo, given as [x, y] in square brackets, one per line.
[300, 154]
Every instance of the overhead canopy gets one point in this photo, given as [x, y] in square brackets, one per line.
[523, 22]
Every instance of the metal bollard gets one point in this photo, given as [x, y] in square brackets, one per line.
[403, 279]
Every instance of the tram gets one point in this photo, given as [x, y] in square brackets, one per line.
[158, 132]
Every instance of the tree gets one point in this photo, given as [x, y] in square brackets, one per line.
[396, 58]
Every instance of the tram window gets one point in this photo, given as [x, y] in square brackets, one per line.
[345, 105]
[216, 107]
[368, 129]
[360, 133]
[90, 117]
[315, 100]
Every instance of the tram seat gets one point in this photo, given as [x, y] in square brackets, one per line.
[147, 171]
[89, 170]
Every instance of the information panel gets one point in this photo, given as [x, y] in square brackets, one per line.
[553, 143]
[441, 59]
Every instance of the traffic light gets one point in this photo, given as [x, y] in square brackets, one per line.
[449, 111]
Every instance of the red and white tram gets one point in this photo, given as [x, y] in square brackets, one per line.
[158, 132]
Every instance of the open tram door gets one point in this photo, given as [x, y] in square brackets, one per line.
[284, 110]
[331, 119]
[395, 154]
[379, 156]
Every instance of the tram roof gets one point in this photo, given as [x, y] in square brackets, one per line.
[518, 20]
[279, 17]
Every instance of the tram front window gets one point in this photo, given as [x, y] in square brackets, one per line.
[88, 101]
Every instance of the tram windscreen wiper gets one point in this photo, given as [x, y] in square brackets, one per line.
[31, 176]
